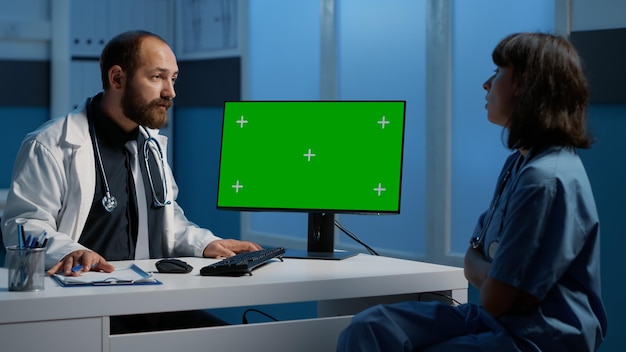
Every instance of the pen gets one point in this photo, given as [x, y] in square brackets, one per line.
[41, 238]
[80, 267]
[20, 236]
[37, 241]
[32, 242]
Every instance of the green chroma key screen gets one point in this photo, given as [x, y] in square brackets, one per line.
[331, 156]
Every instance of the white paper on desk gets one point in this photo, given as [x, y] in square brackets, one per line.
[128, 276]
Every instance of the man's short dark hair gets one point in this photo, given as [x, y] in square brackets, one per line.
[123, 50]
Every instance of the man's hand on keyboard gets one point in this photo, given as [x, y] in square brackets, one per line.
[228, 248]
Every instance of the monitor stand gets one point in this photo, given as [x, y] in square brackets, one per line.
[321, 240]
[302, 254]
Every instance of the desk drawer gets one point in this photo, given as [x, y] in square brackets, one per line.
[60, 335]
[314, 335]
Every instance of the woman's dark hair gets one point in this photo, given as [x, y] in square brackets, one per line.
[123, 50]
[553, 95]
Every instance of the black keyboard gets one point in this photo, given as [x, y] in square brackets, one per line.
[242, 263]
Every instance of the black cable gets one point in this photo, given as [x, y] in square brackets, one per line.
[419, 296]
[355, 237]
[244, 320]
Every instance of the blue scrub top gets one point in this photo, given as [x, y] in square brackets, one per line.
[542, 235]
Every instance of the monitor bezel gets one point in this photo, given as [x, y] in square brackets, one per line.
[320, 234]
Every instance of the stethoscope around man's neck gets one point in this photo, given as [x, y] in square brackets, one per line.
[109, 202]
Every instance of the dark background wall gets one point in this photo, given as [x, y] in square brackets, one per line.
[197, 133]
[24, 105]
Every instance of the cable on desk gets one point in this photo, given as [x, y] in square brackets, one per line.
[419, 297]
[244, 320]
[354, 237]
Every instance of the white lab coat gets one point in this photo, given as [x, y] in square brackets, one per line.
[53, 188]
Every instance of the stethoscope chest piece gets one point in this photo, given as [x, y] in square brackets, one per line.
[109, 202]
[492, 249]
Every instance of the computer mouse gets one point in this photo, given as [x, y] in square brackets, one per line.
[173, 265]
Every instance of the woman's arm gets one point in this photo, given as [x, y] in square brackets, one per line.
[476, 267]
[496, 297]
[499, 298]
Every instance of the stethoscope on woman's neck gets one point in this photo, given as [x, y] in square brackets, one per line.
[477, 240]
[109, 202]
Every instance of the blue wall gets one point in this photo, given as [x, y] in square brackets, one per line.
[606, 165]
[15, 123]
[477, 149]
[197, 132]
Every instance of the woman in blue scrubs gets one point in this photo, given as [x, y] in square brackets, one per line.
[535, 253]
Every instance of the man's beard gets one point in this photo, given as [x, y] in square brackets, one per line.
[148, 114]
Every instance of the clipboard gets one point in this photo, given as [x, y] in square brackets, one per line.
[132, 275]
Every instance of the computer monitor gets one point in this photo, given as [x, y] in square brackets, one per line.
[319, 157]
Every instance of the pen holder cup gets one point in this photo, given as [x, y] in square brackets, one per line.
[26, 268]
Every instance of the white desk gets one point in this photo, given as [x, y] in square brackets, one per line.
[77, 318]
